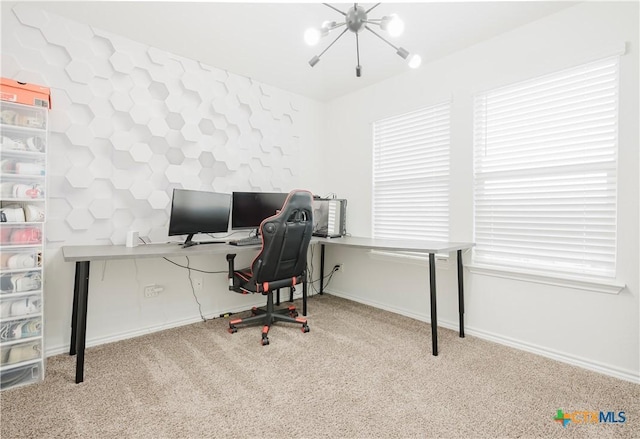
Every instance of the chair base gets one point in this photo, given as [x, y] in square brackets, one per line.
[268, 317]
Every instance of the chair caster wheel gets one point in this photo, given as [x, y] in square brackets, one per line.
[232, 329]
[254, 311]
[305, 328]
[265, 341]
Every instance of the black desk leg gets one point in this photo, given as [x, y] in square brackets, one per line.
[460, 293]
[321, 268]
[434, 314]
[82, 293]
[74, 311]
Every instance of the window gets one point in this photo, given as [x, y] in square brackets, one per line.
[411, 175]
[545, 160]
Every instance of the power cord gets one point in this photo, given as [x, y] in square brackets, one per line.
[223, 237]
[310, 269]
[194, 269]
[312, 283]
[189, 270]
[330, 276]
[193, 290]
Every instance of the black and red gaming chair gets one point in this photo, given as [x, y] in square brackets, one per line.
[281, 263]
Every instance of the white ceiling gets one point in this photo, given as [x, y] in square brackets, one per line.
[264, 41]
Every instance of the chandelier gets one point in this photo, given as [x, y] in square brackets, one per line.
[356, 19]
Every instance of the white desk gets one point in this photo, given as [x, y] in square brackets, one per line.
[82, 255]
[426, 247]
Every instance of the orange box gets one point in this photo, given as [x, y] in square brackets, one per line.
[22, 93]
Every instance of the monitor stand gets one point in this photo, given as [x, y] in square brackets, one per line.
[189, 242]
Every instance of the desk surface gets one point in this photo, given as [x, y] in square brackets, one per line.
[75, 253]
[416, 245]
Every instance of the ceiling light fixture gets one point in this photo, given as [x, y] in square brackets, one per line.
[356, 19]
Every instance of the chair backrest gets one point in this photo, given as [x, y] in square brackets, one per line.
[285, 240]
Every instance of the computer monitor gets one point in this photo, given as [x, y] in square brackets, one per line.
[194, 212]
[248, 209]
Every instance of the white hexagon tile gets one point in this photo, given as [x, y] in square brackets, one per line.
[118, 105]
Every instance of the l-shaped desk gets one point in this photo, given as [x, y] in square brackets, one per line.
[83, 255]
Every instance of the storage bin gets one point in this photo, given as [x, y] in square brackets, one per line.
[19, 376]
[20, 352]
[18, 329]
[20, 259]
[23, 306]
[20, 282]
[20, 235]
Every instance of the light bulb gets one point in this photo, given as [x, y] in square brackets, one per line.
[327, 25]
[395, 27]
[415, 61]
[312, 36]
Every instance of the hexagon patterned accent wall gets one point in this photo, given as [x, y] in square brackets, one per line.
[130, 123]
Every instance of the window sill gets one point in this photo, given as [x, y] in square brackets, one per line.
[581, 283]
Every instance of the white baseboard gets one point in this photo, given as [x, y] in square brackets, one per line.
[605, 369]
[111, 338]
[563, 357]
[584, 363]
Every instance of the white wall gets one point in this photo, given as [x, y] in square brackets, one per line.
[596, 330]
[128, 124]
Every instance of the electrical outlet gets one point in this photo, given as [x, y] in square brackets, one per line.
[152, 290]
[338, 267]
[198, 283]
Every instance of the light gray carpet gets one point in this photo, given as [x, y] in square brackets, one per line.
[360, 373]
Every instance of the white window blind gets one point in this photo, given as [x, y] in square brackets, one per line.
[411, 175]
[545, 161]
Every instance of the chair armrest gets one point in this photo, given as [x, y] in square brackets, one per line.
[265, 287]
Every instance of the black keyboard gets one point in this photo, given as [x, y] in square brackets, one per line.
[252, 240]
